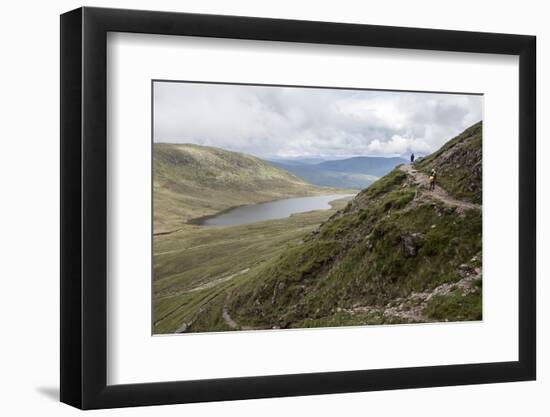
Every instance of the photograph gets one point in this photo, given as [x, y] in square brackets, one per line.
[267, 209]
[291, 207]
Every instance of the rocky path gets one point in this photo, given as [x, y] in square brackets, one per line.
[412, 307]
[438, 193]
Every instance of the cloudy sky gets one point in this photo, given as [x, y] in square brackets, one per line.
[286, 122]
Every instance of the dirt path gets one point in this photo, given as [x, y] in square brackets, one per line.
[227, 318]
[211, 284]
[438, 193]
[225, 314]
[206, 286]
[217, 281]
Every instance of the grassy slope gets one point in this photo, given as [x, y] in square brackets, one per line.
[192, 181]
[360, 257]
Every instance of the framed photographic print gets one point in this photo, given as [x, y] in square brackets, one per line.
[258, 207]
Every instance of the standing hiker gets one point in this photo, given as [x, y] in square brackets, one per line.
[433, 177]
[412, 158]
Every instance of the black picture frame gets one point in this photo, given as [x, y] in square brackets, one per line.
[84, 207]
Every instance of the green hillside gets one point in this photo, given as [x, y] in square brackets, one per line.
[397, 253]
[192, 181]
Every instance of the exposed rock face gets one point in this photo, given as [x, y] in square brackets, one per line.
[410, 243]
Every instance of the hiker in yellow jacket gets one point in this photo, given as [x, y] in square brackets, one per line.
[433, 176]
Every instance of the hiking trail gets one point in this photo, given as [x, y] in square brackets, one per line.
[422, 180]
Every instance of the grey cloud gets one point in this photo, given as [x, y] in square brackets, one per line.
[289, 122]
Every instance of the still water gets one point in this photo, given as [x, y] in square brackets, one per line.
[272, 210]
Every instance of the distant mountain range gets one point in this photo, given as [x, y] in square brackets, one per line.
[357, 172]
